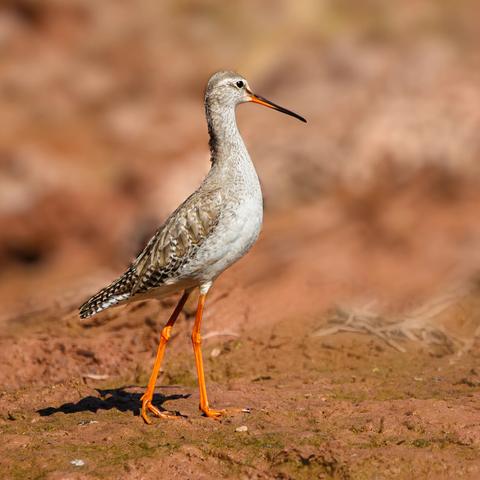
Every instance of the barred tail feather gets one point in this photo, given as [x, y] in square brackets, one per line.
[115, 293]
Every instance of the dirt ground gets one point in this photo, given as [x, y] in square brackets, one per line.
[349, 335]
[321, 406]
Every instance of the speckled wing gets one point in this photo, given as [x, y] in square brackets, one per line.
[177, 241]
[172, 246]
[115, 293]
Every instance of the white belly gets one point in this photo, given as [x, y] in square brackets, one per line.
[237, 230]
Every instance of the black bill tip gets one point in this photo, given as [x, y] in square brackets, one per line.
[267, 103]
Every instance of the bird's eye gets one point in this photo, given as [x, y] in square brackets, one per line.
[240, 84]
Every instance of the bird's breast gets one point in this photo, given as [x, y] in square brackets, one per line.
[237, 230]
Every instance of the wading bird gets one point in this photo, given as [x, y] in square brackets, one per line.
[208, 232]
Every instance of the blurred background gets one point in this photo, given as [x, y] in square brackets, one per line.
[103, 135]
[371, 226]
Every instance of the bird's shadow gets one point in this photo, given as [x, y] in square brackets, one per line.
[118, 398]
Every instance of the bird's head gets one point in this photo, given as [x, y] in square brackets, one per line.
[226, 89]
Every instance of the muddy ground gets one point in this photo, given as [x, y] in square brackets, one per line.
[350, 332]
[347, 405]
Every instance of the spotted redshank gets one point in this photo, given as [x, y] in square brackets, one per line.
[208, 232]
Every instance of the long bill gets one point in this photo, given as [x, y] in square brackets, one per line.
[267, 103]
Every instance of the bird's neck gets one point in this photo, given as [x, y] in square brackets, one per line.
[226, 144]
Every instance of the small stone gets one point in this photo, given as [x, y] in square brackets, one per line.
[15, 416]
[77, 462]
[215, 352]
[243, 428]
[87, 422]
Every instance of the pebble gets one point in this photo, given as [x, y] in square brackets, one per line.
[215, 352]
[87, 422]
[243, 428]
[77, 462]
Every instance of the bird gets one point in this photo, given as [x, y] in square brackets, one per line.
[212, 229]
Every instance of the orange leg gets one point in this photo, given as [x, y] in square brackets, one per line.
[148, 395]
[196, 341]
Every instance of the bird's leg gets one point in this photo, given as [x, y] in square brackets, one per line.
[197, 350]
[166, 331]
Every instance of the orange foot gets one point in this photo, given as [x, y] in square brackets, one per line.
[216, 414]
[148, 406]
[211, 413]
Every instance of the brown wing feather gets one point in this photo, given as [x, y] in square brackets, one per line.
[117, 292]
[174, 244]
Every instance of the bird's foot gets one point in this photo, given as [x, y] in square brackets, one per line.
[148, 406]
[212, 413]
